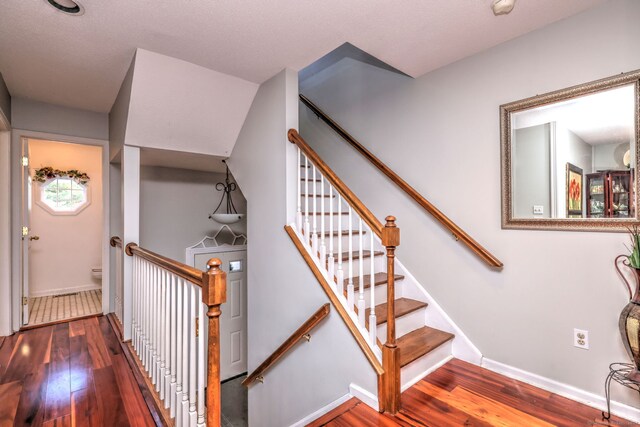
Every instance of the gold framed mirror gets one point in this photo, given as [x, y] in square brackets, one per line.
[570, 157]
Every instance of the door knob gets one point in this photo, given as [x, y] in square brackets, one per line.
[34, 238]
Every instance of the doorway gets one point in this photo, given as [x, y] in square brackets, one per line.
[62, 234]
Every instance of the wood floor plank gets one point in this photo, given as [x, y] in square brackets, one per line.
[8, 344]
[335, 413]
[134, 403]
[110, 339]
[76, 328]
[9, 396]
[59, 422]
[59, 378]
[84, 407]
[97, 348]
[111, 409]
[80, 360]
[33, 398]
[31, 350]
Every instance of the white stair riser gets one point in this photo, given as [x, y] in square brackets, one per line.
[414, 371]
[405, 324]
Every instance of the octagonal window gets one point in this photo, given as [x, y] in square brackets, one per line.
[63, 196]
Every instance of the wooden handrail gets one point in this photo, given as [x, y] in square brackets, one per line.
[458, 233]
[185, 271]
[115, 241]
[341, 187]
[300, 333]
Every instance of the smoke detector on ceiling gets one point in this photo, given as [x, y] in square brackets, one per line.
[68, 7]
[502, 7]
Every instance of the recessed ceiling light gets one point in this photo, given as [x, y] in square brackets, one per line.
[69, 7]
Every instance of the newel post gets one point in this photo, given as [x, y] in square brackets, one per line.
[214, 293]
[390, 351]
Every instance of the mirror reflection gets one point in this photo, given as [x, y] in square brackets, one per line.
[575, 158]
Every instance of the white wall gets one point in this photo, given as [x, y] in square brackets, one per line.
[119, 113]
[41, 117]
[70, 245]
[181, 106]
[5, 234]
[282, 292]
[175, 205]
[441, 133]
[116, 226]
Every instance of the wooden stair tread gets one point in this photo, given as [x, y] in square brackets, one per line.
[403, 306]
[379, 279]
[417, 343]
[356, 255]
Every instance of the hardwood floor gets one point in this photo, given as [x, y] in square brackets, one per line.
[69, 374]
[461, 394]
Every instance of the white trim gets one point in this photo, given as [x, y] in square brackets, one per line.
[365, 396]
[60, 291]
[320, 412]
[38, 188]
[565, 390]
[16, 183]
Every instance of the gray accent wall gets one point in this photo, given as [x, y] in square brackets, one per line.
[119, 113]
[441, 133]
[531, 171]
[41, 117]
[282, 291]
[5, 100]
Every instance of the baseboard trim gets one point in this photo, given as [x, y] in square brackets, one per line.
[368, 398]
[565, 390]
[320, 412]
[60, 291]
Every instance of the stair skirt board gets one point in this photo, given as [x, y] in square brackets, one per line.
[420, 368]
[574, 393]
[368, 398]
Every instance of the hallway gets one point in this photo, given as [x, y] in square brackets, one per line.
[72, 373]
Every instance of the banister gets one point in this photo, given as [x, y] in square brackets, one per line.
[187, 272]
[115, 241]
[458, 233]
[337, 183]
[300, 333]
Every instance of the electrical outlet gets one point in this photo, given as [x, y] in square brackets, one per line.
[581, 339]
[538, 209]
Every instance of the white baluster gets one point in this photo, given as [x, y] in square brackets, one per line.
[331, 260]
[155, 335]
[174, 347]
[350, 290]
[299, 194]
[193, 372]
[361, 302]
[186, 331]
[323, 246]
[177, 399]
[167, 342]
[307, 231]
[314, 235]
[202, 372]
[163, 332]
[340, 272]
[372, 315]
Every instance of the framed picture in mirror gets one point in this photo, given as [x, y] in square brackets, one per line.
[574, 191]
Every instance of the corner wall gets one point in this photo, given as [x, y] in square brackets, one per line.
[441, 133]
[282, 291]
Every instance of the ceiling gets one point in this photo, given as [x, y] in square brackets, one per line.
[80, 61]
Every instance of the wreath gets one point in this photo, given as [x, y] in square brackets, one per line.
[47, 172]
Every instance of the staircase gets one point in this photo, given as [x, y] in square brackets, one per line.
[354, 255]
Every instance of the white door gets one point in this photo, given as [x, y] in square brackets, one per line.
[233, 320]
[26, 238]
